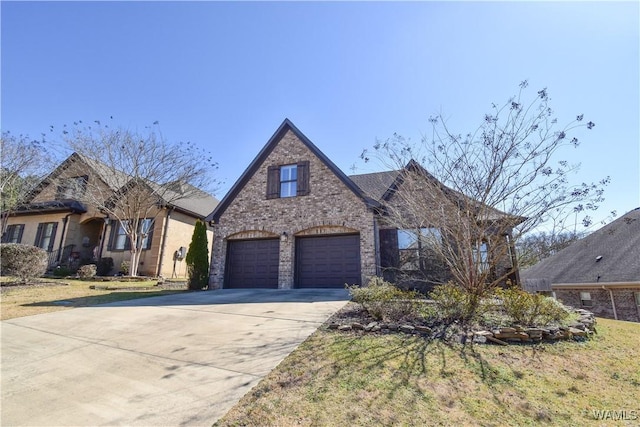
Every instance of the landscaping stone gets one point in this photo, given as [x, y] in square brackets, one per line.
[577, 332]
[479, 339]
[580, 330]
[370, 326]
[424, 329]
[407, 329]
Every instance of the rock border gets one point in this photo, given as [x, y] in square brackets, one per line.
[584, 328]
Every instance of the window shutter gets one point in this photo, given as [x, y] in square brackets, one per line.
[273, 182]
[389, 252]
[112, 233]
[38, 236]
[53, 237]
[303, 178]
[20, 231]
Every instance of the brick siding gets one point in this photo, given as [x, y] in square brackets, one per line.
[624, 299]
[330, 208]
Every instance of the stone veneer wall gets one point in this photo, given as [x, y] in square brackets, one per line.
[330, 208]
[626, 307]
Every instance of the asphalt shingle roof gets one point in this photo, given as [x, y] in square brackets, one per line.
[196, 202]
[618, 243]
[376, 184]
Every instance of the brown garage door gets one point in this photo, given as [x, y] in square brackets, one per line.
[252, 263]
[327, 261]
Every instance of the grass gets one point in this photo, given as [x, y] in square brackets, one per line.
[337, 378]
[63, 294]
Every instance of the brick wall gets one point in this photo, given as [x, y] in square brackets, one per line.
[624, 299]
[330, 208]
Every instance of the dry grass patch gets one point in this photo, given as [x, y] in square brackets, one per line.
[48, 295]
[352, 379]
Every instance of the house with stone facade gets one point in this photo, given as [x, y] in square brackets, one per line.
[58, 218]
[294, 220]
[600, 272]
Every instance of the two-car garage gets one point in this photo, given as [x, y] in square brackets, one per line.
[325, 261]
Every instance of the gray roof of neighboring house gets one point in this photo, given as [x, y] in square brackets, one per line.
[618, 245]
[197, 202]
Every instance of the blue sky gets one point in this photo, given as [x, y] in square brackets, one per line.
[224, 75]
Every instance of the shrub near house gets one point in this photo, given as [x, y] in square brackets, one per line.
[23, 261]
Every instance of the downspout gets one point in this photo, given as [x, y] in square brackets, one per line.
[376, 243]
[164, 241]
[211, 266]
[613, 303]
[105, 225]
[65, 220]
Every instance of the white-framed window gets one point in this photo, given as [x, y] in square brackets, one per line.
[585, 299]
[120, 240]
[13, 234]
[481, 255]
[419, 238]
[416, 244]
[288, 181]
[46, 235]
[145, 233]
[637, 295]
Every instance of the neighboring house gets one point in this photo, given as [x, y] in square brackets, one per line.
[600, 272]
[294, 220]
[73, 232]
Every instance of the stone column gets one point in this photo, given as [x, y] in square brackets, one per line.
[285, 266]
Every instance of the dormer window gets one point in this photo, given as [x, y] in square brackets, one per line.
[289, 180]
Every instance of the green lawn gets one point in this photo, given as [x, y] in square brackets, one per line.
[337, 378]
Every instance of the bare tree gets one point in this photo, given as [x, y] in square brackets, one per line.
[23, 164]
[141, 173]
[534, 247]
[470, 197]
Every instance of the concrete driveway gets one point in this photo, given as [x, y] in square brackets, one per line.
[172, 360]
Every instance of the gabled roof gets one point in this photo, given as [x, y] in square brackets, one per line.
[376, 184]
[610, 254]
[286, 126]
[114, 180]
[381, 185]
[198, 203]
